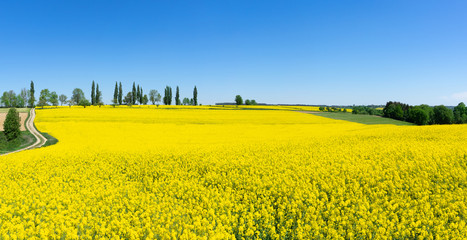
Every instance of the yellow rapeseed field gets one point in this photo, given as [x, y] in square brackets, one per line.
[222, 173]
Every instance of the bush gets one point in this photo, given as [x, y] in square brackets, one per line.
[11, 126]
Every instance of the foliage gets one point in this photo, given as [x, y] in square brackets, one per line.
[93, 93]
[128, 99]
[419, 116]
[423, 114]
[365, 110]
[77, 96]
[154, 97]
[53, 98]
[98, 100]
[63, 99]
[32, 99]
[177, 97]
[9, 99]
[120, 94]
[442, 115]
[145, 99]
[12, 124]
[238, 100]
[115, 99]
[168, 95]
[133, 94]
[84, 102]
[460, 113]
[195, 96]
[44, 98]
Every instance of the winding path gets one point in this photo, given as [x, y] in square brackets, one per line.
[40, 140]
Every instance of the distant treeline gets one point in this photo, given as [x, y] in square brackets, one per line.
[135, 96]
[332, 109]
[369, 110]
[424, 114]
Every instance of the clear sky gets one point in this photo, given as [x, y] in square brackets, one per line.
[308, 52]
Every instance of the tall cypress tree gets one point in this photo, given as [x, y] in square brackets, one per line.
[195, 96]
[120, 94]
[93, 93]
[98, 95]
[32, 99]
[170, 95]
[137, 94]
[141, 95]
[115, 94]
[133, 95]
[177, 96]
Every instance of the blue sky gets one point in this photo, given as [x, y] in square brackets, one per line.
[308, 52]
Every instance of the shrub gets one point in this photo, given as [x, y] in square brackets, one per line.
[12, 124]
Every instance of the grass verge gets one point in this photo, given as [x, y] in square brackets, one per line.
[361, 118]
[23, 141]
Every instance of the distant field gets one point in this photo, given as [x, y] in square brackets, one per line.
[21, 110]
[359, 118]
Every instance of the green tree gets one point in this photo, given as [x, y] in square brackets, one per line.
[128, 100]
[115, 100]
[138, 95]
[238, 100]
[460, 113]
[5, 99]
[186, 101]
[11, 126]
[120, 94]
[98, 96]
[152, 96]
[442, 115]
[44, 98]
[419, 116]
[158, 99]
[19, 101]
[253, 102]
[247, 102]
[32, 99]
[168, 95]
[141, 95]
[62, 99]
[84, 102]
[93, 93]
[53, 98]
[77, 96]
[25, 97]
[195, 96]
[133, 94]
[145, 99]
[177, 97]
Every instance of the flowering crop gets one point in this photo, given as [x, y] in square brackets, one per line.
[208, 173]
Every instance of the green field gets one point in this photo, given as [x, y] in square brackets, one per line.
[360, 118]
[21, 110]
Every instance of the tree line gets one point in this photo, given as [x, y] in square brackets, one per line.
[136, 96]
[426, 115]
[239, 101]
